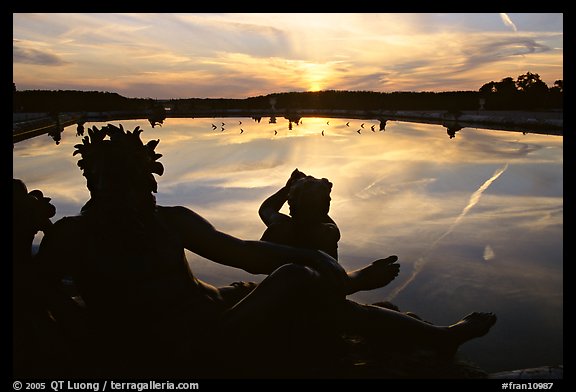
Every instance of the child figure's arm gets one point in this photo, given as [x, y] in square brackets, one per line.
[269, 210]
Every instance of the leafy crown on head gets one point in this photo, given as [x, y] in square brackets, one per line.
[95, 147]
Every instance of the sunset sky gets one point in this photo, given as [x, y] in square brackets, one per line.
[165, 55]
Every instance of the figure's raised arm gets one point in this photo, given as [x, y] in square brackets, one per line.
[269, 210]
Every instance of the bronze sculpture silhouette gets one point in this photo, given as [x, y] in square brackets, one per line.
[149, 314]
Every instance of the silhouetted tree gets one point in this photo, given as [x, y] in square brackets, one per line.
[16, 102]
[558, 86]
[527, 92]
[531, 82]
[534, 89]
[76, 101]
[505, 86]
[555, 95]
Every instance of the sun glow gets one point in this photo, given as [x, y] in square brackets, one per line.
[316, 76]
[315, 86]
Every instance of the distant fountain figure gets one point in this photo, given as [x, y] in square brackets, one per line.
[57, 137]
[383, 125]
[56, 133]
[292, 119]
[451, 129]
[154, 122]
[80, 129]
[272, 120]
[156, 116]
[481, 102]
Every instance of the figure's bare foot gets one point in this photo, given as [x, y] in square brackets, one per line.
[378, 274]
[472, 326]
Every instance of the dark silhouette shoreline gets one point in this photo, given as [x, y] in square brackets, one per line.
[525, 105]
[28, 125]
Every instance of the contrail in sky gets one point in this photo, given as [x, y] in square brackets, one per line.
[474, 199]
[507, 21]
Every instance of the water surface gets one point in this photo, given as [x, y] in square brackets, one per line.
[476, 220]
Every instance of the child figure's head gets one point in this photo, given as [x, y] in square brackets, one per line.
[309, 199]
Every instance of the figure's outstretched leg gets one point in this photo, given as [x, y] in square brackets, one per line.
[384, 323]
[377, 274]
[293, 292]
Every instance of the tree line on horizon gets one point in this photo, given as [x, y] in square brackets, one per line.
[526, 92]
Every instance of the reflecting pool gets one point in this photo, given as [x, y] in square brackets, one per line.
[476, 219]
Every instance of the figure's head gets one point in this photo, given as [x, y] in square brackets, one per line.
[309, 199]
[118, 164]
[31, 210]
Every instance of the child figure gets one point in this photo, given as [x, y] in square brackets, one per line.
[310, 226]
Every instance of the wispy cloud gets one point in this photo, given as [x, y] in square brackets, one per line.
[493, 48]
[34, 56]
[474, 199]
[240, 55]
[507, 21]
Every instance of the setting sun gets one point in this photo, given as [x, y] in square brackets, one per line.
[316, 76]
[315, 86]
